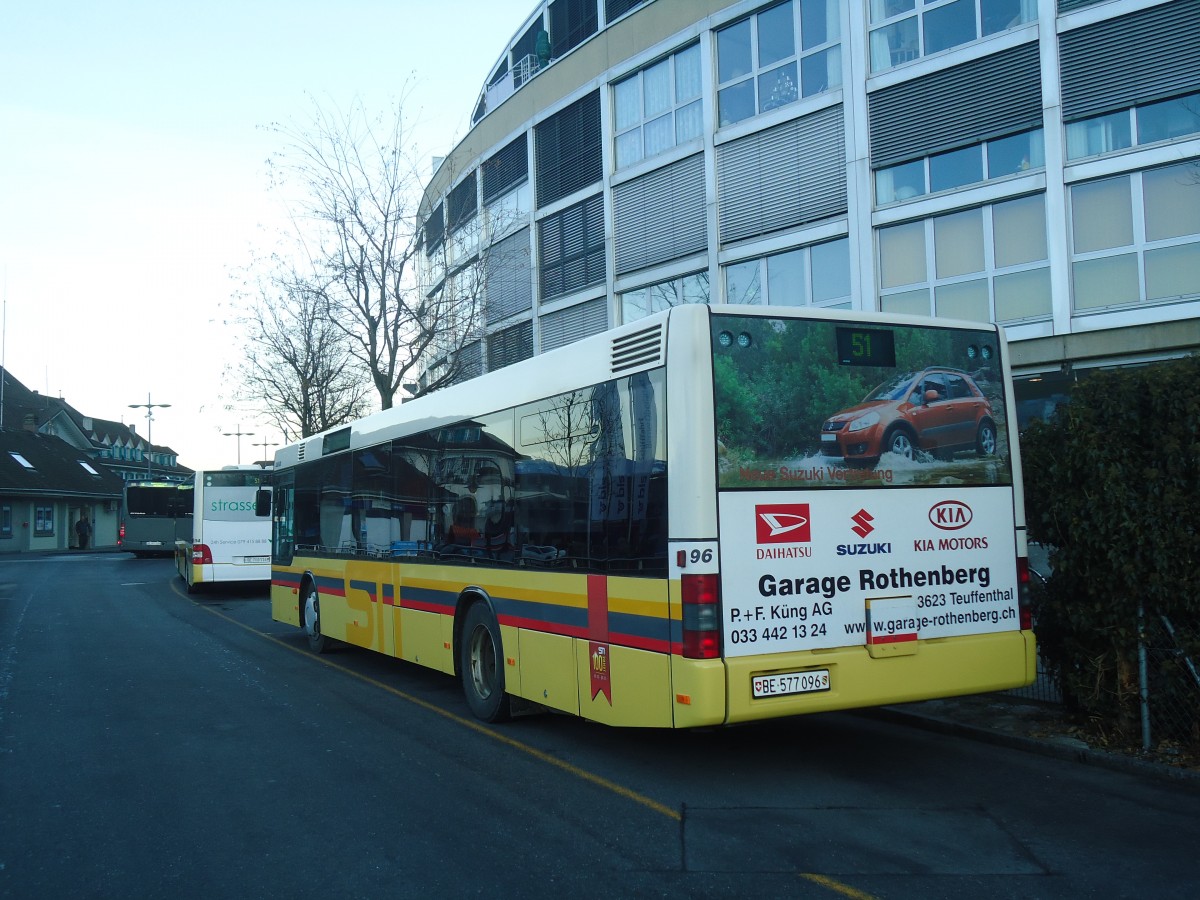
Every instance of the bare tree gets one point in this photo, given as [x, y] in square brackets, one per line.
[296, 369]
[356, 214]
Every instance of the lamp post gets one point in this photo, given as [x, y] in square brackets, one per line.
[239, 434]
[264, 443]
[150, 408]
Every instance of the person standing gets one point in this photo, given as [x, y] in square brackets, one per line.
[83, 530]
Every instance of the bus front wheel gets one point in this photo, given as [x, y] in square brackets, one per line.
[317, 641]
[481, 663]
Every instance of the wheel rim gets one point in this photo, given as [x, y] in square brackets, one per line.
[312, 620]
[987, 440]
[902, 445]
[482, 654]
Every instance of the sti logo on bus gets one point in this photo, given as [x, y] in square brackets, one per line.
[782, 523]
[950, 515]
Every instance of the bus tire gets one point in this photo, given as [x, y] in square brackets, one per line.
[481, 664]
[310, 612]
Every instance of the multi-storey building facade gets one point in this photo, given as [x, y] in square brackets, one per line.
[1031, 162]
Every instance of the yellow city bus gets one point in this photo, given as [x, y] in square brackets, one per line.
[712, 515]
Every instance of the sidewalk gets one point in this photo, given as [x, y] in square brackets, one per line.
[1044, 728]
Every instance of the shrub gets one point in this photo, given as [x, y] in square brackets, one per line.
[1112, 486]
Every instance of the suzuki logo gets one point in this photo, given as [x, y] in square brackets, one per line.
[862, 523]
[950, 515]
[783, 523]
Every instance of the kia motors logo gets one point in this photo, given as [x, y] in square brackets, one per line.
[950, 515]
[782, 523]
[862, 523]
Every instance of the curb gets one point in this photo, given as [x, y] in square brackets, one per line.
[1067, 749]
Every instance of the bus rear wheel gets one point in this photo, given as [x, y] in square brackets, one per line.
[481, 664]
[311, 612]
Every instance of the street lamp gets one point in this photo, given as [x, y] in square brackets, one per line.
[150, 408]
[239, 434]
[264, 443]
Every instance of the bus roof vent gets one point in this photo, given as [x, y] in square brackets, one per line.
[641, 348]
[300, 451]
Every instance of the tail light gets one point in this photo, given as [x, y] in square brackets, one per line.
[701, 616]
[1024, 599]
[121, 535]
[201, 555]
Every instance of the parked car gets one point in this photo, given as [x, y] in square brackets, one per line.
[937, 410]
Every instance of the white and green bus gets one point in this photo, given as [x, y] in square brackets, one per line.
[230, 534]
[715, 514]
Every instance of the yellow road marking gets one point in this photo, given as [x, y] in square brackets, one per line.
[599, 781]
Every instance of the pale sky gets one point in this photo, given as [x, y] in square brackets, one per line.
[133, 180]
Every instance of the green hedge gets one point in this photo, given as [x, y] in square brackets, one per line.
[1112, 486]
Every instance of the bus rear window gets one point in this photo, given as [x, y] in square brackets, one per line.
[806, 403]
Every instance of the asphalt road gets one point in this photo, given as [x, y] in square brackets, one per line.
[158, 745]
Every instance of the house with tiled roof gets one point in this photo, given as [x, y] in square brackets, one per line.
[58, 466]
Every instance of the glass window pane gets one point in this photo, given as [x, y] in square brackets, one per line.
[1101, 215]
[1173, 272]
[778, 87]
[820, 22]
[830, 263]
[628, 102]
[742, 283]
[1023, 295]
[629, 148]
[1019, 231]
[912, 303]
[1103, 134]
[736, 103]
[902, 254]
[958, 243]
[776, 34]
[1168, 119]
[695, 288]
[659, 135]
[894, 44]
[733, 52]
[956, 168]
[1017, 153]
[1000, 15]
[821, 71]
[885, 9]
[689, 122]
[634, 305]
[687, 73]
[950, 25]
[786, 283]
[964, 300]
[1106, 281]
[656, 89]
[902, 182]
[1172, 199]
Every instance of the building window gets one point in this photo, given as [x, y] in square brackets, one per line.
[816, 275]
[571, 248]
[985, 264]
[43, 521]
[1136, 238]
[777, 56]
[909, 29]
[6, 521]
[658, 108]
[645, 301]
[1148, 123]
[568, 147]
[997, 158]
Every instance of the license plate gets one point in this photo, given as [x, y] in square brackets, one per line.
[256, 559]
[785, 683]
[153, 543]
[829, 438]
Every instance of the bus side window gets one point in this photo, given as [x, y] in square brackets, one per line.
[262, 503]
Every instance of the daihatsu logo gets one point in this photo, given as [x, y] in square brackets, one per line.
[782, 523]
[950, 515]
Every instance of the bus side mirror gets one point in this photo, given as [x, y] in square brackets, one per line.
[262, 502]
